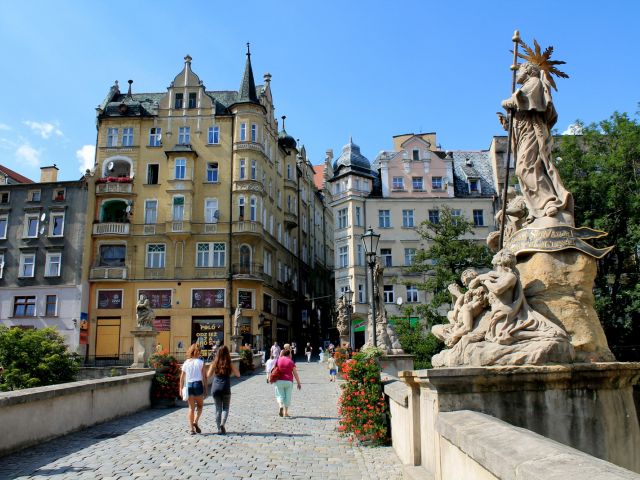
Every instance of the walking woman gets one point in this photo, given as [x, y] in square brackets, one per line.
[194, 377]
[284, 385]
[221, 369]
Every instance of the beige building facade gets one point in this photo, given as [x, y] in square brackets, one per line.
[394, 194]
[203, 204]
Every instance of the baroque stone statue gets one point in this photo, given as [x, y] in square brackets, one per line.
[144, 312]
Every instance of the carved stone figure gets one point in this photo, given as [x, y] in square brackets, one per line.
[236, 320]
[144, 312]
[534, 117]
[343, 321]
[506, 330]
[516, 214]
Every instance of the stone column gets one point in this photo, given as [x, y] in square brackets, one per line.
[144, 344]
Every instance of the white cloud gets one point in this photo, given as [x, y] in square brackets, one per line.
[29, 155]
[573, 129]
[44, 129]
[86, 157]
[4, 126]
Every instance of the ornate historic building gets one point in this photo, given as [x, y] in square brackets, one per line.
[402, 188]
[200, 202]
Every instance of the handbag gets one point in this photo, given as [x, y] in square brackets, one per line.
[184, 393]
[274, 375]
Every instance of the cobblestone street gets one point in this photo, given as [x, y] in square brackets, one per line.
[154, 444]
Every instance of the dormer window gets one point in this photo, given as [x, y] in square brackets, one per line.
[415, 154]
[4, 197]
[58, 195]
[34, 195]
[436, 183]
[179, 100]
[474, 185]
[192, 100]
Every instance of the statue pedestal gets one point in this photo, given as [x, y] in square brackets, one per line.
[392, 364]
[344, 340]
[144, 344]
[589, 407]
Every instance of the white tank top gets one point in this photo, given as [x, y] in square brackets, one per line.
[192, 368]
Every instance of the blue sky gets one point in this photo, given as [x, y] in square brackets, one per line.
[369, 70]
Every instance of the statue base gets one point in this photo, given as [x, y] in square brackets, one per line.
[344, 340]
[144, 345]
[236, 343]
[395, 363]
[587, 406]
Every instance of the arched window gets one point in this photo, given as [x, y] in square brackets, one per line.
[245, 259]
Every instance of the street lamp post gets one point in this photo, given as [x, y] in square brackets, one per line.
[370, 242]
[348, 296]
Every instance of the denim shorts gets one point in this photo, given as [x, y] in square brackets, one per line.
[333, 371]
[196, 389]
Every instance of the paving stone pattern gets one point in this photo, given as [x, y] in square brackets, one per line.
[155, 444]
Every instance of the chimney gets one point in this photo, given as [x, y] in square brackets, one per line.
[49, 174]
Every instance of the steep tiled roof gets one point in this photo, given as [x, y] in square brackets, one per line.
[472, 164]
[318, 176]
[16, 177]
[247, 92]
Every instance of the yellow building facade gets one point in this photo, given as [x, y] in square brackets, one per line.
[202, 204]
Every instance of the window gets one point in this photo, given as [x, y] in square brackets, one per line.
[150, 212]
[127, 137]
[436, 183]
[192, 100]
[155, 255]
[267, 268]
[359, 255]
[289, 171]
[416, 183]
[4, 221]
[24, 306]
[53, 264]
[212, 172]
[434, 216]
[210, 254]
[342, 218]
[31, 226]
[211, 210]
[358, 216]
[409, 254]
[415, 154]
[1, 264]
[398, 183]
[254, 132]
[4, 197]
[155, 137]
[178, 208]
[388, 293]
[178, 101]
[214, 135]
[343, 256]
[184, 135]
[181, 168]
[152, 174]
[112, 255]
[478, 218]
[384, 218]
[27, 265]
[34, 195]
[455, 216]
[412, 294]
[474, 185]
[243, 168]
[59, 195]
[253, 209]
[407, 218]
[360, 293]
[243, 132]
[241, 208]
[56, 224]
[112, 137]
[254, 170]
[385, 255]
[51, 306]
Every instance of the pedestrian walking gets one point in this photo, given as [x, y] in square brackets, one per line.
[321, 355]
[269, 366]
[294, 349]
[194, 377]
[221, 369]
[307, 351]
[333, 369]
[284, 385]
[275, 350]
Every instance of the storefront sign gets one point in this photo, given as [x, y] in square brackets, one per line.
[162, 324]
[245, 299]
[157, 298]
[207, 298]
[109, 298]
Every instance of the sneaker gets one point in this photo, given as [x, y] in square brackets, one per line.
[223, 430]
[195, 425]
[280, 411]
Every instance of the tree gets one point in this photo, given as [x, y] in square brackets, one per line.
[441, 264]
[602, 169]
[34, 358]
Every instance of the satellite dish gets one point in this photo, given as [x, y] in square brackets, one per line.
[110, 166]
[216, 214]
[160, 137]
[41, 230]
[399, 301]
[43, 217]
[128, 209]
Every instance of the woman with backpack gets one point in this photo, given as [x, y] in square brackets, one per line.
[221, 369]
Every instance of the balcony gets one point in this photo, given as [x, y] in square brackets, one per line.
[108, 273]
[248, 186]
[290, 220]
[116, 186]
[290, 184]
[155, 273]
[178, 228]
[111, 228]
[248, 271]
[251, 146]
[247, 227]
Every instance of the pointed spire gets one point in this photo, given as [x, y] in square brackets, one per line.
[247, 91]
[129, 92]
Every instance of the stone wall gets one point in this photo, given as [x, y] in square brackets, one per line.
[27, 413]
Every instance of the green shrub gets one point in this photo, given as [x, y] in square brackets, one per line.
[35, 358]
[246, 360]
